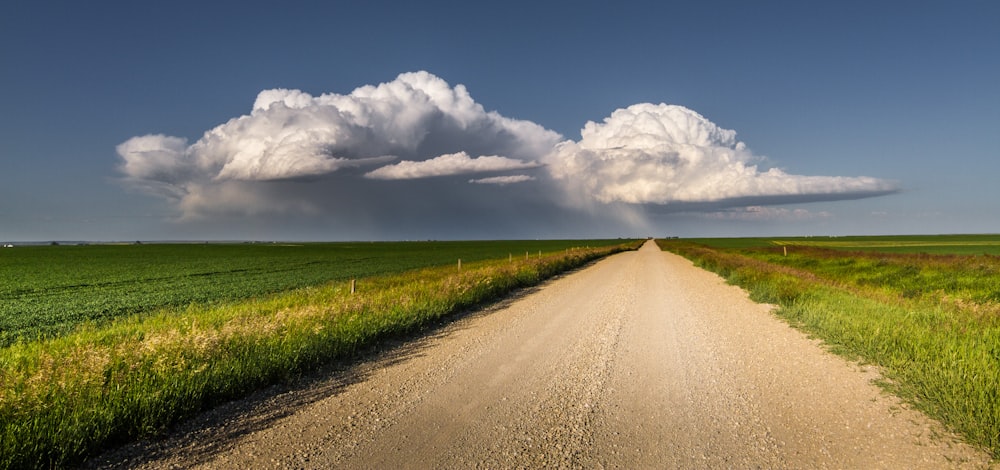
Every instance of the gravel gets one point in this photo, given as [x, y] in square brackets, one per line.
[640, 360]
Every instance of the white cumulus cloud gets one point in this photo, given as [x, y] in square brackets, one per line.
[290, 134]
[314, 159]
[449, 164]
[503, 180]
[663, 154]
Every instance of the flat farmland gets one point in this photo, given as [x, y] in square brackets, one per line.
[926, 309]
[639, 360]
[47, 290]
[931, 244]
[117, 343]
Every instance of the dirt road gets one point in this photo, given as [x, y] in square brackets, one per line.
[638, 361]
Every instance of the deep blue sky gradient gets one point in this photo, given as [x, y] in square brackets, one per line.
[906, 91]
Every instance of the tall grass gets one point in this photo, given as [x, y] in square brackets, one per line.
[931, 322]
[65, 398]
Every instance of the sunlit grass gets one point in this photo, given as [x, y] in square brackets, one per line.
[931, 244]
[932, 322]
[65, 398]
[46, 291]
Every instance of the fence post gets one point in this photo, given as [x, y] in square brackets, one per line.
[460, 264]
[353, 282]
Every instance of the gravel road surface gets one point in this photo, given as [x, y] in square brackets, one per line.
[637, 361]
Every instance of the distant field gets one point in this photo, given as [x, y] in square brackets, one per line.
[48, 290]
[932, 244]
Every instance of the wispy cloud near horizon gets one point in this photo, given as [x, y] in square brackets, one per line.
[449, 164]
[503, 180]
[392, 145]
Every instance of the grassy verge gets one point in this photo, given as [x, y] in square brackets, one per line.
[47, 291]
[66, 398]
[931, 322]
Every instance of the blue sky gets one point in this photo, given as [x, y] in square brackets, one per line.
[849, 118]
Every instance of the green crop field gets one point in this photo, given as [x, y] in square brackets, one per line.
[49, 290]
[931, 244]
[926, 309]
[115, 343]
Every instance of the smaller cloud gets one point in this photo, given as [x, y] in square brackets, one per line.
[157, 164]
[448, 164]
[503, 180]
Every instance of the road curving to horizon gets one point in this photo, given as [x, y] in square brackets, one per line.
[640, 360]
